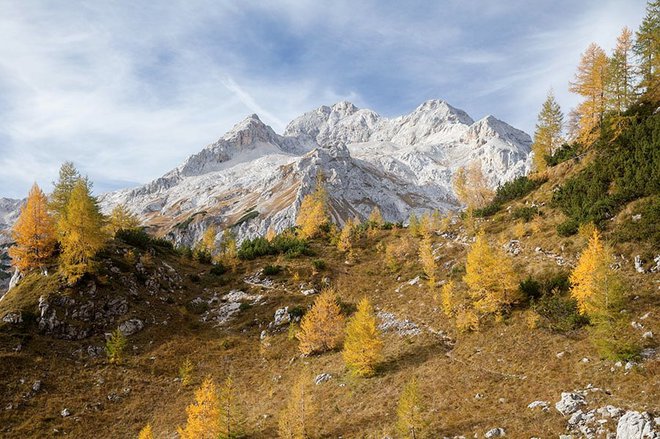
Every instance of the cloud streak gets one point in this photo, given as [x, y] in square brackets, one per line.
[128, 90]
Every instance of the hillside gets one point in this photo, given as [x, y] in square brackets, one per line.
[59, 381]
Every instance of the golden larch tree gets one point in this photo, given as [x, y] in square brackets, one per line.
[427, 259]
[376, 218]
[229, 250]
[203, 415]
[471, 186]
[363, 346]
[347, 235]
[490, 277]
[296, 420]
[63, 187]
[410, 411]
[322, 328]
[81, 233]
[447, 298]
[548, 133]
[146, 432]
[121, 218]
[590, 83]
[313, 214]
[231, 417]
[34, 233]
[620, 83]
[208, 239]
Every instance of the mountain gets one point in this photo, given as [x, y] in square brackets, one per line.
[253, 178]
[9, 210]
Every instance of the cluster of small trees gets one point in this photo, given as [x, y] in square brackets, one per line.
[69, 223]
[607, 84]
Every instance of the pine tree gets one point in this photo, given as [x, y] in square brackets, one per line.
[590, 82]
[447, 298]
[121, 218]
[63, 188]
[548, 134]
[620, 81]
[146, 432]
[410, 411]
[313, 215]
[231, 419]
[363, 345]
[322, 328]
[647, 50]
[428, 262]
[295, 421]
[34, 233]
[81, 233]
[490, 277]
[203, 415]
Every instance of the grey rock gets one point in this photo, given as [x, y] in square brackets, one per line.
[282, 316]
[495, 432]
[570, 403]
[636, 425]
[639, 266]
[130, 327]
[65, 413]
[322, 378]
[543, 405]
[36, 386]
[13, 318]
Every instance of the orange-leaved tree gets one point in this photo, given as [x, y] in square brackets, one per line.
[34, 233]
[490, 277]
[313, 214]
[322, 328]
[363, 346]
[203, 415]
[81, 232]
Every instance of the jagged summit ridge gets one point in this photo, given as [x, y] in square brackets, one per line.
[400, 164]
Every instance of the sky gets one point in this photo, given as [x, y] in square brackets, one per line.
[127, 90]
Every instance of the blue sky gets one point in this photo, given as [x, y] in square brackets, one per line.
[127, 90]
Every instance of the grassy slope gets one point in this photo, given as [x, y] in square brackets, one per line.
[508, 363]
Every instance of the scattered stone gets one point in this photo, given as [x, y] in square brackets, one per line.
[13, 318]
[639, 266]
[635, 425]
[130, 327]
[647, 334]
[282, 316]
[322, 378]
[570, 403]
[543, 405]
[36, 386]
[560, 354]
[495, 432]
[389, 322]
[513, 247]
[585, 360]
[629, 365]
[65, 413]
[414, 281]
[479, 396]
[637, 217]
[637, 325]
[309, 292]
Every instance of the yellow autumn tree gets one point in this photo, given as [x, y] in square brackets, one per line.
[121, 218]
[427, 259]
[410, 411]
[203, 415]
[547, 136]
[63, 187]
[322, 328]
[490, 277]
[447, 298]
[590, 83]
[33, 232]
[313, 214]
[471, 186]
[413, 225]
[363, 346]
[376, 218]
[231, 417]
[296, 420]
[229, 250]
[81, 233]
[146, 432]
[208, 239]
[348, 235]
[270, 234]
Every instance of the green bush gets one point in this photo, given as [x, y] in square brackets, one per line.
[564, 153]
[626, 167]
[141, 239]
[530, 288]
[509, 191]
[284, 243]
[218, 269]
[568, 227]
[202, 256]
[525, 213]
[319, 264]
[560, 313]
[488, 210]
[646, 228]
[272, 270]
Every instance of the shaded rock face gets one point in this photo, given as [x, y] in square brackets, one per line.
[253, 179]
[636, 425]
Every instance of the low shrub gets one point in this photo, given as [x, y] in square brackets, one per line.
[560, 313]
[218, 269]
[525, 213]
[272, 270]
[568, 228]
[564, 153]
[319, 264]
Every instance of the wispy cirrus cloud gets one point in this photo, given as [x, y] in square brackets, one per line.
[127, 90]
